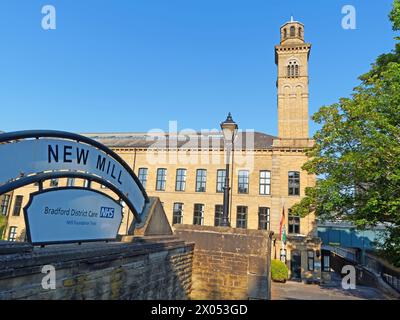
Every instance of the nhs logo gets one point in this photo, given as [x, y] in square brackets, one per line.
[106, 212]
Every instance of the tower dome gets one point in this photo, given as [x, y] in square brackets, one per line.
[292, 32]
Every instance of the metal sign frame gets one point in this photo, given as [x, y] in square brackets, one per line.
[14, 137]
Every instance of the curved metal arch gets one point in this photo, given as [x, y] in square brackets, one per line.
[24, 181]
[26, 134]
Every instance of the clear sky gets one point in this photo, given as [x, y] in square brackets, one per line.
[134, 65]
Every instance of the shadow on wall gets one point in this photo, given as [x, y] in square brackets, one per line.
[145, 269]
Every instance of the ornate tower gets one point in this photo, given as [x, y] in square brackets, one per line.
[291, 57]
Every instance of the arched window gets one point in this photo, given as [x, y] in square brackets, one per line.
[292, 31]
[284, 33]
[300, 32]
[293, 69]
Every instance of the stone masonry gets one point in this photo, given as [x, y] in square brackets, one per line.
[146, 269]
[229, 264]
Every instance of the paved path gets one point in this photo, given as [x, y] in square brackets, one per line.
[300, 291]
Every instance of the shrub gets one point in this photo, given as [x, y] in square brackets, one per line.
[279, 271]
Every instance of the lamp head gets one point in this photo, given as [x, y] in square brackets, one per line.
[229, 129]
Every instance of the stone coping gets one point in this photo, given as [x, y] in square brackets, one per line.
[69, 255]
[222, 230]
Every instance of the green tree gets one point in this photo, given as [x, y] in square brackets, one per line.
[357, 153]
[3, 223]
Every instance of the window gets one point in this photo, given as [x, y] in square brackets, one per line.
[326, 263]
[161, 179]
[201, 179]
[180, 184]
[284, 33]
[219, 212]
[294, 183]
[241, 217]
[221, 174]
[265, 182]
[293, 69]
[12, 234]
[177, 217]
[4, 204]
[292, 31]
[54, 183]
[243, 180]
[70, 182]
[300, 32]
[294, 224]
[142, 176]
[17, 205]
[310, 259]
[263, 218]
[198, 214]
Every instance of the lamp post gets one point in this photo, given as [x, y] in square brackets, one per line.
[229, 129]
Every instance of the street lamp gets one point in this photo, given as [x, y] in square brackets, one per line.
[229, 129]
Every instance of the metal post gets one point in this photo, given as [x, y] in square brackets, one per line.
[229, 129]
[225, 216]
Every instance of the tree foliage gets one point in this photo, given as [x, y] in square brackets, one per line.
[357, 153]
[3, 223]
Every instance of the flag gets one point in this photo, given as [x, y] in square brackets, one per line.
[284, 235]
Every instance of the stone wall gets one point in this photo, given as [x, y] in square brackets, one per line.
[229, 264]
[147, 268]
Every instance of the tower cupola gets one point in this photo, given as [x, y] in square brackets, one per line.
[292, 32]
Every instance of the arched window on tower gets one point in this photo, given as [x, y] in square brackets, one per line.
[300, 32]
[284, 33]
[293, 69]
[292, 31]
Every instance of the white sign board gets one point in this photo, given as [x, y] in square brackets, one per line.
[39, 155]
[71, 215]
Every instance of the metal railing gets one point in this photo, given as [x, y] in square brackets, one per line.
[390, 275]
[393, 281]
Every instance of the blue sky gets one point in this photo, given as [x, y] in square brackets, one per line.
[119, 66]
